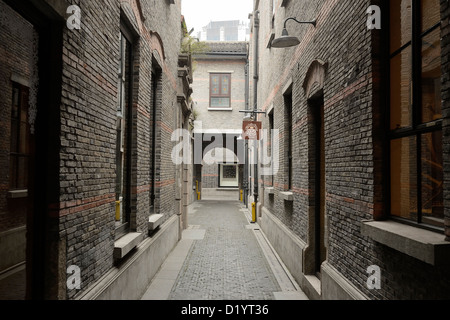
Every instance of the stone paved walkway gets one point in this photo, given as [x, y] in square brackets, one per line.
[223, 259]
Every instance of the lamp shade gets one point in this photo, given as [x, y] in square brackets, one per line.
[285, 40]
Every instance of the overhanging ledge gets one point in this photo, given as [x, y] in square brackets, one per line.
[424, 245]
[127, 243]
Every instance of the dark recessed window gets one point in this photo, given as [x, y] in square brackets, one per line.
[20, 139]
[124, 134]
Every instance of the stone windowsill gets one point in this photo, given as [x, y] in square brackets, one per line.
[127, 243]
[17, 194]
[424, 245]
[220, 109]
[270, 190]
[287, 196]
[154, 221]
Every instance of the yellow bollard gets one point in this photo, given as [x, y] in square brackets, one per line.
[253, 212]
[199, 194]
[242, 195]
[117, 210]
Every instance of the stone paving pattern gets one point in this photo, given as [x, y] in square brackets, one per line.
[228, 264]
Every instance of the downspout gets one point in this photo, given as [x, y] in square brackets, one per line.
[255, 106]
[247, 96]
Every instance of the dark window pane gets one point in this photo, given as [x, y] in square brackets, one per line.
[13, 172]
[401, 90]
[404, 178]
[22, 173]
[14, 136]
[400, 23]
[23, 143]
[432, 179]
[431, 13]
[15, 104]
[431, 77]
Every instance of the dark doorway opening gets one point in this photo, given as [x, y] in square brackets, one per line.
[319, 183]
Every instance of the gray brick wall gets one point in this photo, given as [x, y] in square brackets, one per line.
[88, 137]
[353, 117]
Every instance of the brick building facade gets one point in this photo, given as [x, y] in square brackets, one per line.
[220, 94]
[360, 206]
[88, 182]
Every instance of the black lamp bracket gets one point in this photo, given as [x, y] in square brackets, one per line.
[314, 22]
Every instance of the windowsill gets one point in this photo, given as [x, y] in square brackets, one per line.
[287, 196]
[154, 221]
[424, 245]
[17, 194]
[126, 243]
[220, 109]
[270, 190]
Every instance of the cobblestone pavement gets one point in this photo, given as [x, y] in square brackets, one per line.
[228, 263]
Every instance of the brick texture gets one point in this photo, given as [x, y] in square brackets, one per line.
[83, 220]
[353, 119]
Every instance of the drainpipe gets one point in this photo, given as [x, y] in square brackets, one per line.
[255, 106]
[247, 94]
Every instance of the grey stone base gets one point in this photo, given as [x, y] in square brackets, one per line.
[131, 280]
[286, 244]
[332, 286]
[13, 247]
[336, 287]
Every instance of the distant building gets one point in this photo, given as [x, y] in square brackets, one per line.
[219, 93]
[233, 30]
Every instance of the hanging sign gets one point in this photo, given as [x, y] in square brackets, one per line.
[251, 130]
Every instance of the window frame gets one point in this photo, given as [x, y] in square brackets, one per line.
[220, 95]
[125, 121]
[16, 155]
[289, 143]
[417, 128]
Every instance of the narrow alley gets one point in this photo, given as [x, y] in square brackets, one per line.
[207, 150]
[223, 256]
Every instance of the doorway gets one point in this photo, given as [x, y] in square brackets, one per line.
[319, 184]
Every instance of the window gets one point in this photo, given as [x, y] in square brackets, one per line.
[220, 90]
[415, 124]
[288, 135]
[271, 133]
[124, 133]
[20, 139]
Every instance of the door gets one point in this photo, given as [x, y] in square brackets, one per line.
[320, 186]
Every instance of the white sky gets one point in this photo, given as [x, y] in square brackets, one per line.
[198, 13]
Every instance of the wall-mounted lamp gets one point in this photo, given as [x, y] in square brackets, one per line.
[287, 41]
